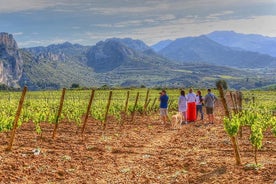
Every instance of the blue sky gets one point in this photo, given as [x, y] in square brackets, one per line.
[44, 22]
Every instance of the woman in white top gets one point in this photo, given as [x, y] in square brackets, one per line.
[199, 104]
[191, 97]
[182, 105]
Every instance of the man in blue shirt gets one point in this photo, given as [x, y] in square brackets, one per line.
[164, 106]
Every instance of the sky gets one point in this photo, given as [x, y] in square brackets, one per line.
[86, 22]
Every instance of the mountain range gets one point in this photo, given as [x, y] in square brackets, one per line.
[203, 49]
[191, 61]
[249, 42]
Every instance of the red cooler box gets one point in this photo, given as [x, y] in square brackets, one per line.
[191, 111]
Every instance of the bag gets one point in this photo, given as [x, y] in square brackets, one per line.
[201, 100]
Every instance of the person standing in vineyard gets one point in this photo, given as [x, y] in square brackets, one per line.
[209, 101]
[191, 103]
[191, 97]
[164, 98]
[199, 104]
[182, 105]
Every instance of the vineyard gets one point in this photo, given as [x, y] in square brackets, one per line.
[102, 136]
[44, 106]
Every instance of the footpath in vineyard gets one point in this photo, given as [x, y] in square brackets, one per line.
[144, 151]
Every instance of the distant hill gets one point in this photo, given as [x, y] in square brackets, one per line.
[59, 52]
[202, 49]
[249, 42]
[137, 45]
[161, 45]
[108, 55]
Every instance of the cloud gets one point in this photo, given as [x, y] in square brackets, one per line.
[17, 34]
[76, 27]
[89, 21]
[19, 5]
[11, 6]
[220, 14]
[40, 42]
[185, 27]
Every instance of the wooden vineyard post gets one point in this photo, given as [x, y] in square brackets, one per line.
[239, 94]
[59, 112]
[17, 115]
[146, 101]
[126, 104]
[224, 103]
[236, 150]
[153, 103]
[227, 113]
[239, 99]
[88, 110]
[253, 100]
[107, 108]
[134, 107]
[234, 102]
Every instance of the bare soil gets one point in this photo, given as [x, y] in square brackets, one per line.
[143, 151]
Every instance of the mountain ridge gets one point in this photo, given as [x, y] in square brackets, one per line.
[249, 42]
[125, 62]
[203, 49]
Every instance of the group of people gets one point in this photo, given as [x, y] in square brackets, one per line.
[189, 103]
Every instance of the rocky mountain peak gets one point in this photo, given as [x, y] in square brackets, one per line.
[8, 40]
[137, 45]
[11, 63]
[107, 55]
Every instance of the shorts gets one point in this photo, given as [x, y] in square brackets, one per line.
[163, 111]
[209, 110]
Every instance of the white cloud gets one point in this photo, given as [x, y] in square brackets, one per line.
[8, 6]
[171, 30]
[219, 14]
[134, 23]
[76, 27]
[167, 17]
[187, 27]
[17, 33]
[29, 43]
[148, 20]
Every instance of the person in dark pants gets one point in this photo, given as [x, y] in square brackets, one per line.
[209, 102]
[199, 105]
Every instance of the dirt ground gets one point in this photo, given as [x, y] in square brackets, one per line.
[144, 151]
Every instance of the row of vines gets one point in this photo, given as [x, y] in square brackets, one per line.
[43, 106]
[76, 106]
[249, 110]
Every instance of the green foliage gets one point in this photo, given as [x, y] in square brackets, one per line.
[74, 85]
[273, 122]
[223, 83]
[256, 136]
[258, 117]
[232, 125]
[4, 87]
[42, 106]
